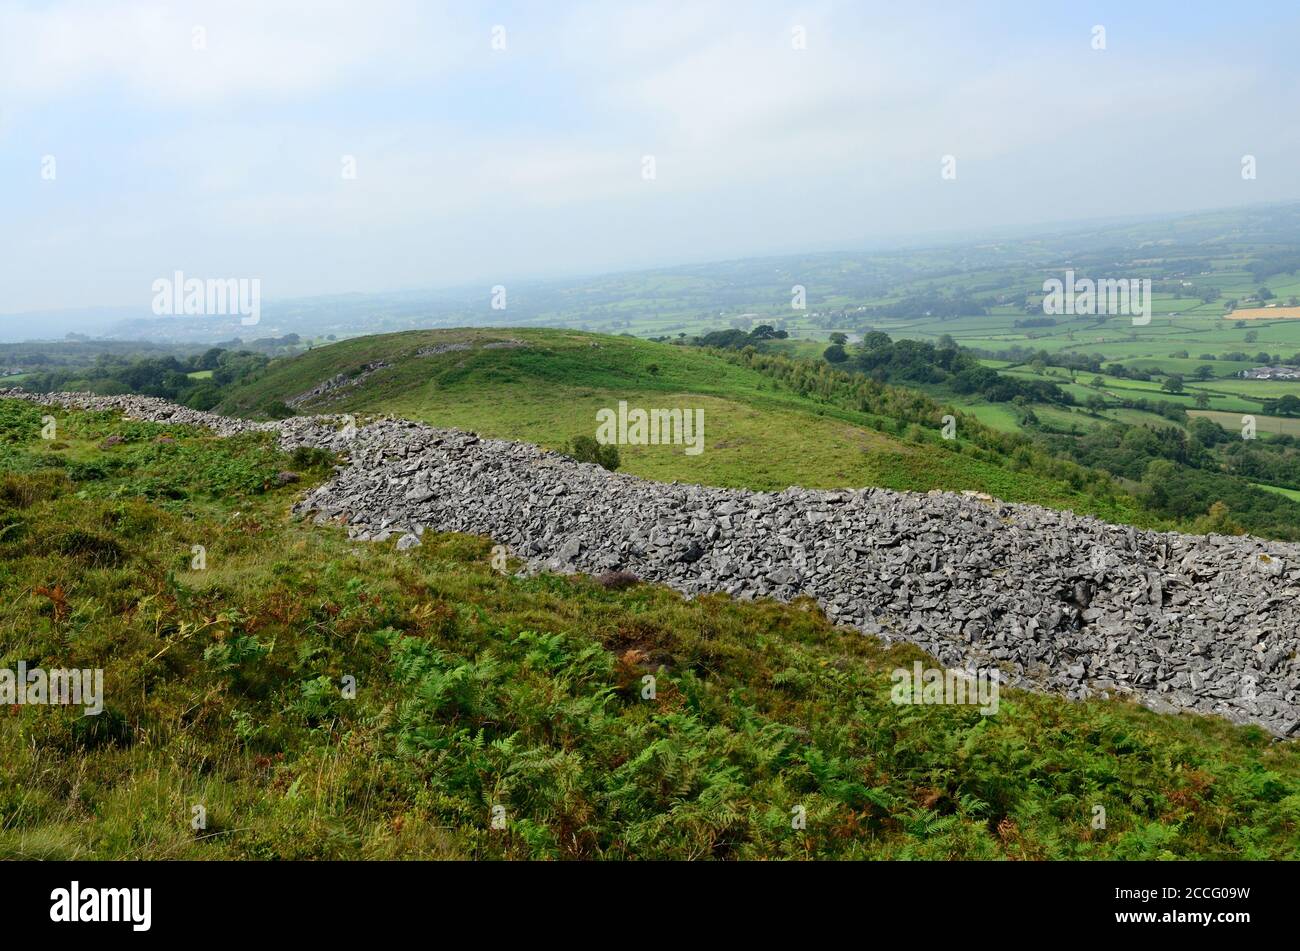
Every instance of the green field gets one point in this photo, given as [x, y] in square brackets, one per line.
[1278, 425]
[1292, 494]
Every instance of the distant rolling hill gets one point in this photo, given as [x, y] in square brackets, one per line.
[546, 386]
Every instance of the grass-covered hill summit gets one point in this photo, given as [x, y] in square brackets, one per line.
[482, 696]
[761, 432]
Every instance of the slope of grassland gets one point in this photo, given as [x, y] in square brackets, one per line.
[476, 690]
[758, 434]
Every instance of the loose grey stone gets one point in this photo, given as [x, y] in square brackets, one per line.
[1179, 622]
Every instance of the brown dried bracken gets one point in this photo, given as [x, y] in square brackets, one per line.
[57, 598]
[617, 580]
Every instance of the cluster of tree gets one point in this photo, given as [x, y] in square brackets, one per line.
[1182, 491]
[1069, 360]
[273, 346]
[1174, 412]
[76, 350]
[1274, 262]
[1126, 451]
[1036, 322]
[1182, 473]
[914, 361]
[1288, 405]
[182, 380]
[996, 388]
[736, 339]
[1123, 372]
[1262, 357]
[1274, 461]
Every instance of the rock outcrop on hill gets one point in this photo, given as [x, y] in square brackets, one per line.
[1055, 600]
[336, 385]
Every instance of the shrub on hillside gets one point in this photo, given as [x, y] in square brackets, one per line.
[203, 398]
[1218, 521]
[307, 458]
[275, 409]
[587, 449]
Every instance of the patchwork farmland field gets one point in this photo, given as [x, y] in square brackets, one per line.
[1276, 425]
[1264, 313]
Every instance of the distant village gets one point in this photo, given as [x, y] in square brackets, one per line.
[1272, 373]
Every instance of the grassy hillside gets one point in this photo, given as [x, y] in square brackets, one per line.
[758, 433]
[477, 690]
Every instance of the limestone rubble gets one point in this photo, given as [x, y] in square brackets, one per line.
[1057, 601]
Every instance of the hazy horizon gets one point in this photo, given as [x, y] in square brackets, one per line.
[216, 139]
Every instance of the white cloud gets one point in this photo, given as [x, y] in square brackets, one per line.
[230, 159]
[252, 48]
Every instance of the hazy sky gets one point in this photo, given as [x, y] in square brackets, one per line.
[480, 164]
